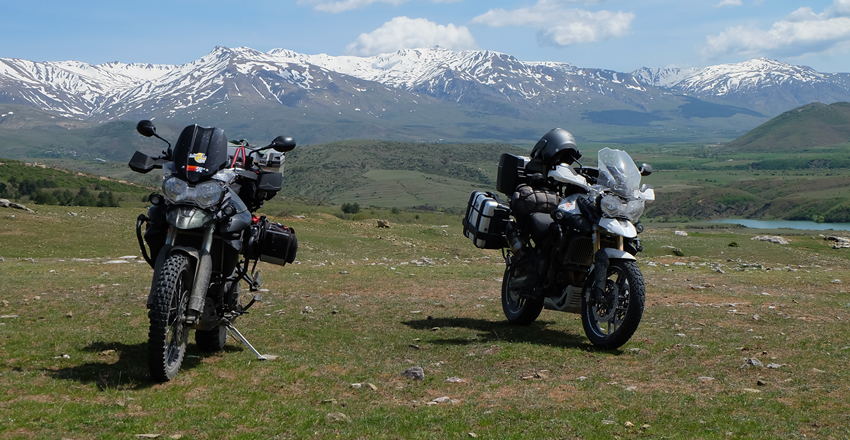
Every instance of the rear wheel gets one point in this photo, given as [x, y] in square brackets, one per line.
[611, 321]
[168, 330]
[211, 340]
[518, 308]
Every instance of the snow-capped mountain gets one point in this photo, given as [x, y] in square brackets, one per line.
[488, 82]
[663, 77]
[769, 85]
[480, 79]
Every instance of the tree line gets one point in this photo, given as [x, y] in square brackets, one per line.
[38, 191]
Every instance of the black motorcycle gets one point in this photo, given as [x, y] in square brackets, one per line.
[569, 236]
[204, 239]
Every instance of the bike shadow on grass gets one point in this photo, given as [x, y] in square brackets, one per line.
[130, 370]
[503, 331]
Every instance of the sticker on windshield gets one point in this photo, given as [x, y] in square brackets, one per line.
[199, 157]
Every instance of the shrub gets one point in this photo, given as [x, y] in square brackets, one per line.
[350, 208]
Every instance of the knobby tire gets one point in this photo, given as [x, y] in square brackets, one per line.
[168, 332]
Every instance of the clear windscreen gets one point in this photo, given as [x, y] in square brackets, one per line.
[618, 172]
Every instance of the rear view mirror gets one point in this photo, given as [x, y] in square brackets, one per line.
[645, 170]
[283, 144]
[146, 128]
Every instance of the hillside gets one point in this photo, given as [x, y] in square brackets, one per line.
[39, 185]
[813, 125]
[393, 174]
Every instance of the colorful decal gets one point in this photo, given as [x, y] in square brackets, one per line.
[195, 168]
[199, 157]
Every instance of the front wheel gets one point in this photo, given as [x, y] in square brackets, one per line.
[610, 322]
[168, 332]
[518, 308]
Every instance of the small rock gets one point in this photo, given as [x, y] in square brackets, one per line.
[415, 373]
[751, 390]
[455, 380]
[473, 435]
[307, 309]
[815, 370]
[705, 379]
[69, 315]
[356, 386]
[336, 417]
[629, 424]
[761, 383]
[443, 399]
[343, 272]
[771, 239]
[681, 233]
[674, 250]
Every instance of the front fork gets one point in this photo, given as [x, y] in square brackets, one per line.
[203, 269]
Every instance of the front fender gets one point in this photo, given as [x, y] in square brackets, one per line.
[616, 254]
[619, 227]
[188, 217]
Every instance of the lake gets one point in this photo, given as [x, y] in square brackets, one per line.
[777, 224]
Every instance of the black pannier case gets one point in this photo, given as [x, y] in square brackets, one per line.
[271, 242]
[279, 244]
[486, 220]
[511, 173]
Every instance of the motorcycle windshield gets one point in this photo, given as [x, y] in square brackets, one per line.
[200, 152]
[618, 172]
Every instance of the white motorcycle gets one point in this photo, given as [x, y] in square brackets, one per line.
[569, 236]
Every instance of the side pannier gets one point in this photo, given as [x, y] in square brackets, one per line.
[485, 221]
[271, 242]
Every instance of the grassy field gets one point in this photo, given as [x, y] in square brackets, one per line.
[740, 339]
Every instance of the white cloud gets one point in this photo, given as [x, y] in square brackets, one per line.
[802, 32]
[410, 33]
[729, 3]
[559, 26]
[336, 6]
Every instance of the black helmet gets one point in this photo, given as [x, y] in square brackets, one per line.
[556, 146]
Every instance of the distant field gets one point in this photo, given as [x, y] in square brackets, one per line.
[692, 181]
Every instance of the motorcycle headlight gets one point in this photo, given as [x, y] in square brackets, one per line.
[174, 189]
[208, 194]
[615, 207]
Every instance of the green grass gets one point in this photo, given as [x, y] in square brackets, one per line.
[384, 316]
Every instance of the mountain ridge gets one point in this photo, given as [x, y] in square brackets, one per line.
[459, 89]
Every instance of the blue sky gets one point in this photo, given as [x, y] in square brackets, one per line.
[621, 35]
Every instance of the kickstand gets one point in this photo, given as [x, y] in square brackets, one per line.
[244, 341]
